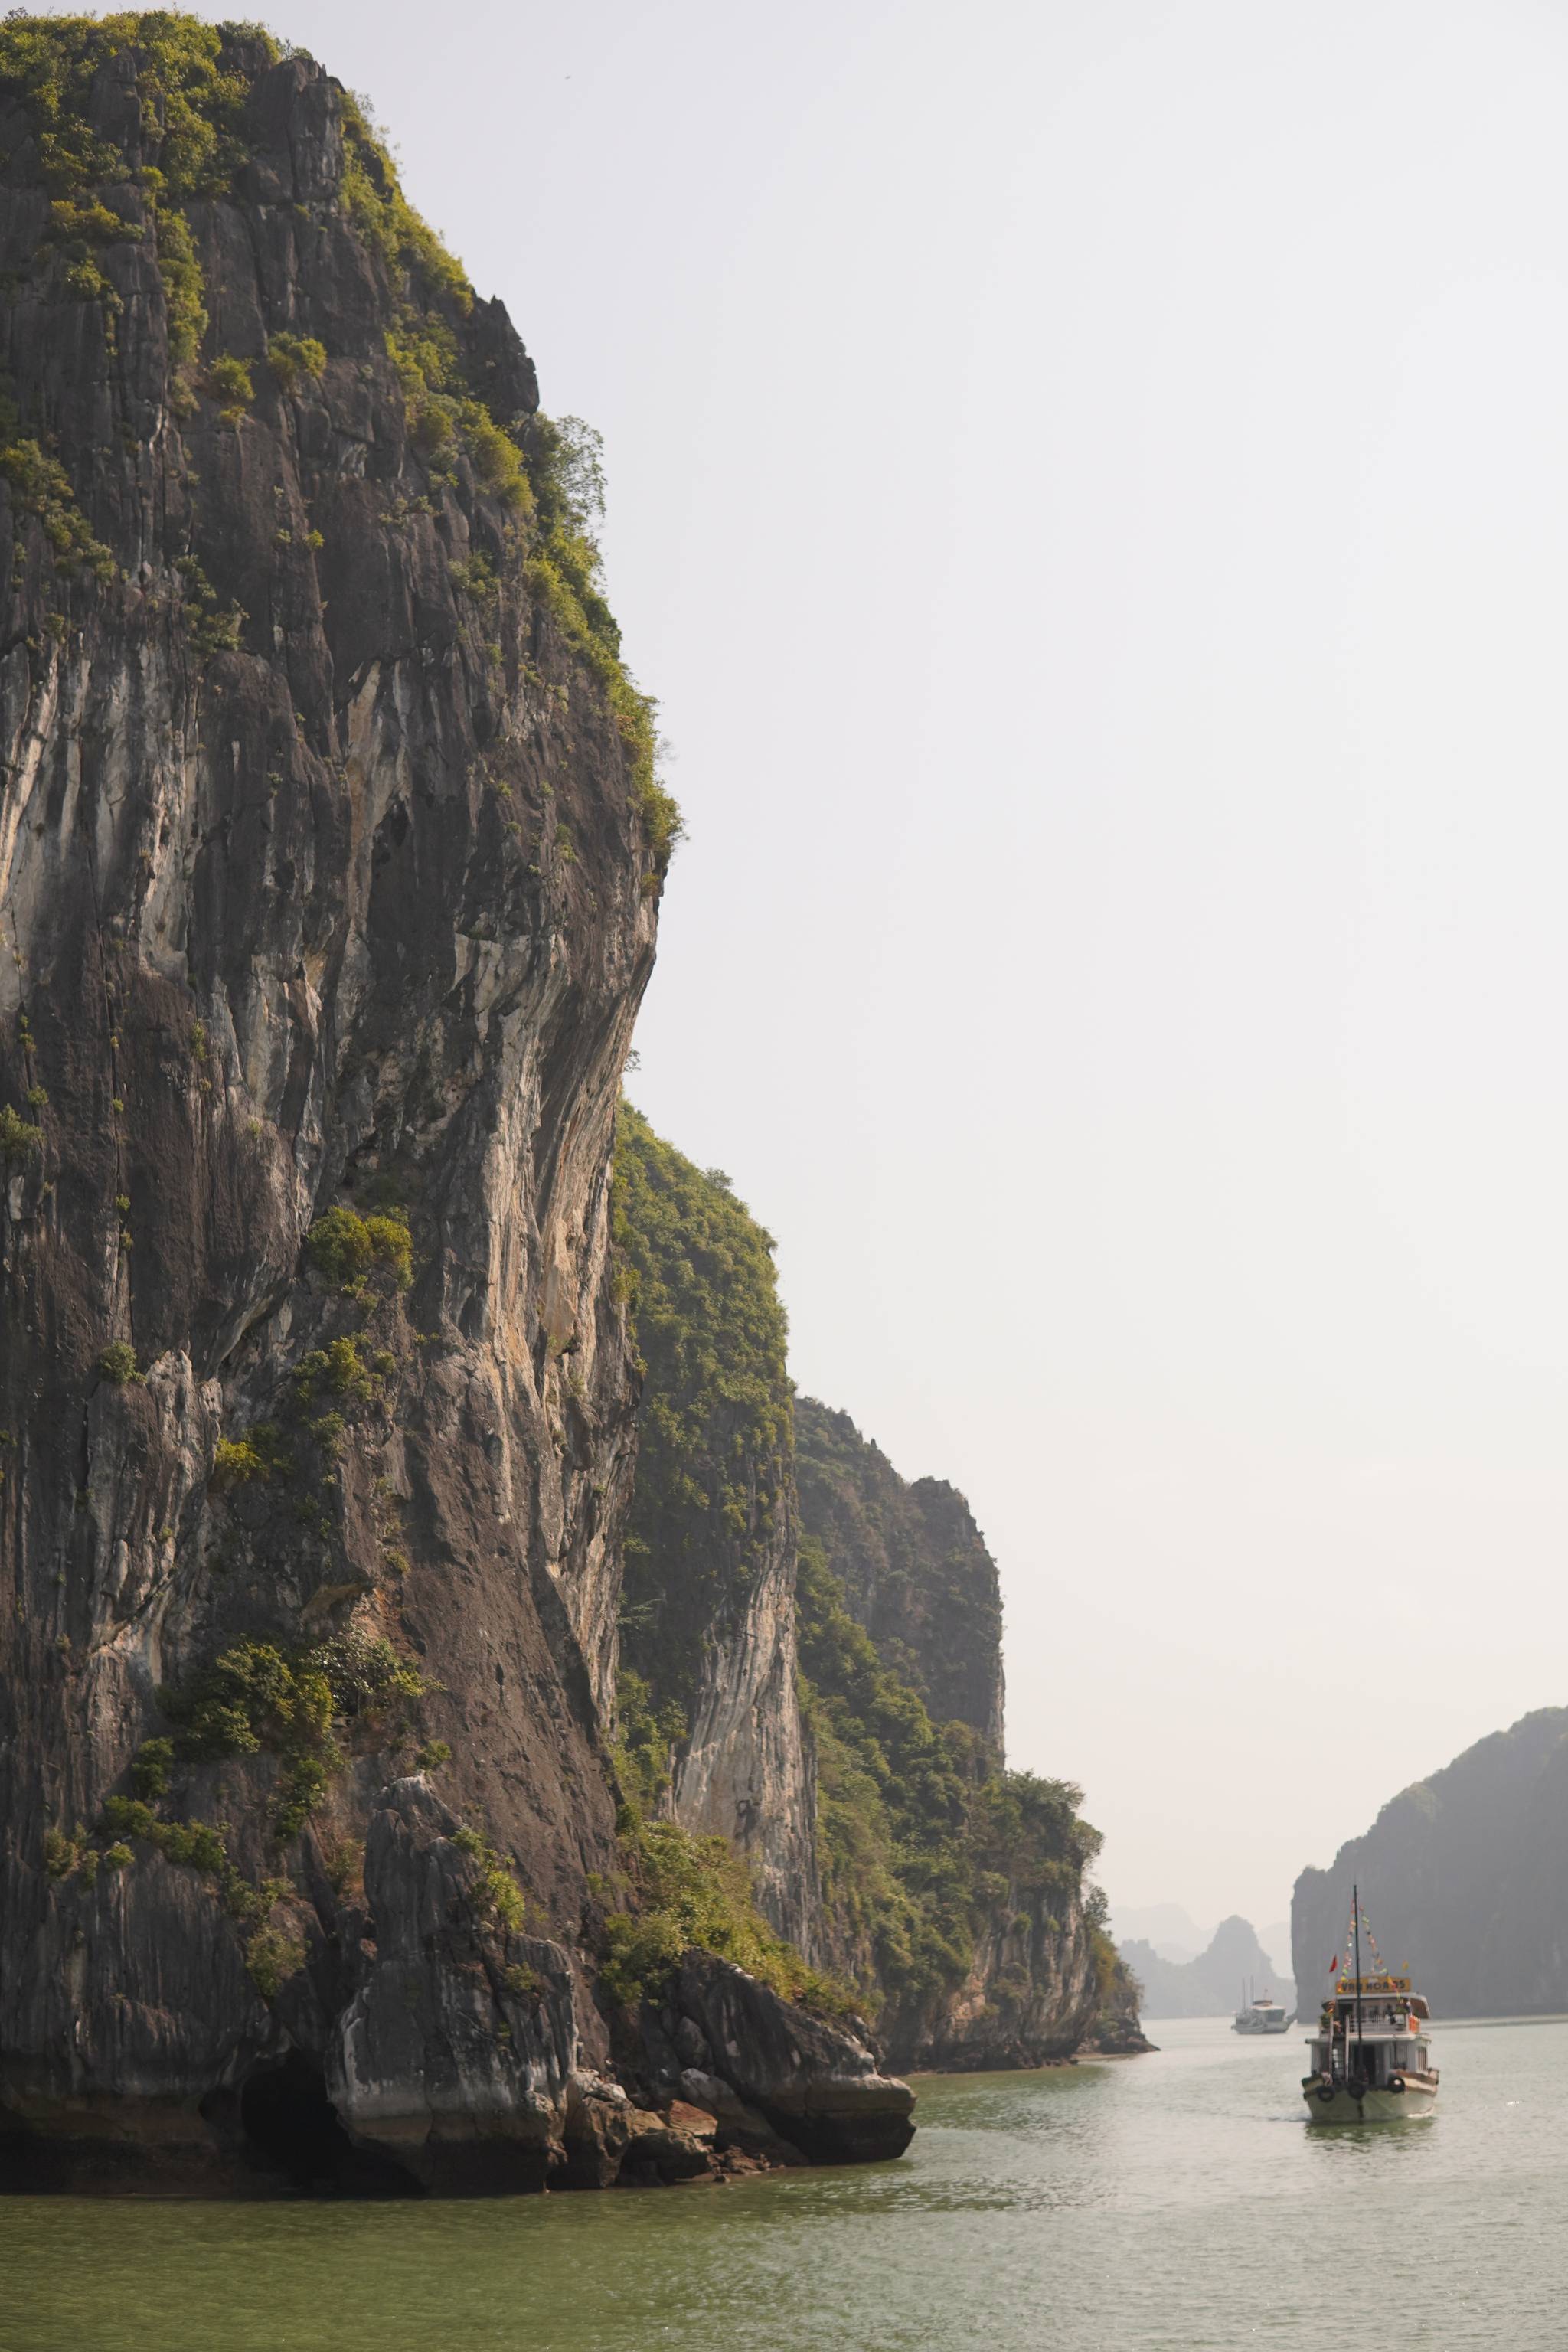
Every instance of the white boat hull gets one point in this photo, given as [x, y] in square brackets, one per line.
[1373, 2107]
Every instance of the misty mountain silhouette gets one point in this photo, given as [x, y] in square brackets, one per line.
[1213, 1984]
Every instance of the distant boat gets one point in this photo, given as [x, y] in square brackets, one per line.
[1371, 2060]
[1264, 2015]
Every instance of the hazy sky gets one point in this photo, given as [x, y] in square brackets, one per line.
[1090, 486]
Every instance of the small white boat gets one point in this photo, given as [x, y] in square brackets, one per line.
[1264, 2015]
[1370, 2056]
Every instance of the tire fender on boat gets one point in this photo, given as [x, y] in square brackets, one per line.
[1397, 2081]
[1325, 2092]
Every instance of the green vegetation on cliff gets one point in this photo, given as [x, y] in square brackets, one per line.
[53, 61]
[914, 1567]
[714, 1457]
[687, 1891]
[548, 471]
[924, 1844]
[920, 1835]
[194, 82]
[190, 112]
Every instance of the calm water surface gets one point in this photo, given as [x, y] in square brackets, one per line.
[1178, 2201]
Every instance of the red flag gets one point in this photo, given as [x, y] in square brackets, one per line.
[1333, 1964]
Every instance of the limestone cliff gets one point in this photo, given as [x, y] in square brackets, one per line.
[330, 857]
[947, 1894]
[1464, 1878]
[913, 1565]
[954, 1888]
[709, 1622]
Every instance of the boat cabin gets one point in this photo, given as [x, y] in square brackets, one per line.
[1372, 2029]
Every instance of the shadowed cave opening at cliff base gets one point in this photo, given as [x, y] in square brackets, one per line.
[291, 2129]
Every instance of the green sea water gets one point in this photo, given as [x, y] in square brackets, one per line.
[1175, 2202]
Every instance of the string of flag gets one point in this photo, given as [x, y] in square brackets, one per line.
[1379, 1966]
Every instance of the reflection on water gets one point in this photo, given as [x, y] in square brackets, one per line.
[1160, 2205]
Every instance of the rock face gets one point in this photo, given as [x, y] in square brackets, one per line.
[1464, 1879]
[748, 1773]
[1042, 1980]
[770, 1548]
[1030, 1997]
[461, 2071]
[913, 1565]
[330, 858]
[823, 2092]
[710, 1616]
[1039, 1979]
[1118, 2031]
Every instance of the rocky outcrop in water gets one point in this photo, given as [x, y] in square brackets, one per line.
[1464, 1878]
[1117, 2029]
[818, 2089]
[330, 858]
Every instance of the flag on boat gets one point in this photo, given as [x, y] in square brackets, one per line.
[1333, 1964]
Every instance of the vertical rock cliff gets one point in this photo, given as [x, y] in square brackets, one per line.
[709, 1622]
[956, 1887]
[330, 857]
[1464, 1878]
[914, 1567]
[946, 1894]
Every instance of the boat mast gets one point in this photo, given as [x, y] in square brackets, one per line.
[1355, 1930]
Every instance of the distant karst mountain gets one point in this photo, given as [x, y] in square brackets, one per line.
[1174, 1934]
[1213, 1984]
[1464, 1878]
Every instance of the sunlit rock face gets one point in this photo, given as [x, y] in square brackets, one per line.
[748, 1774]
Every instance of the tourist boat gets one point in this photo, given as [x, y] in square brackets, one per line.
[1371, 2061]
[1264, 2015]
